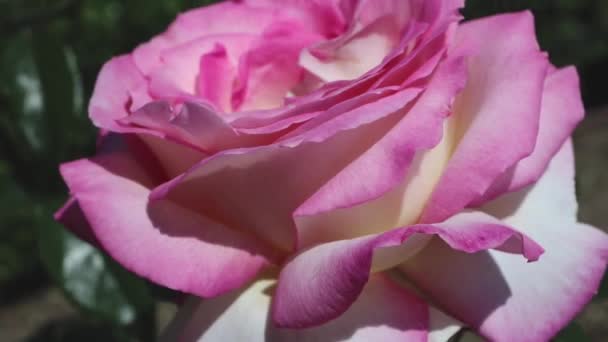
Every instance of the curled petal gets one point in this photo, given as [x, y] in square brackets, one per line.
[247, 186]
[384, 311]
[320, 283]
[161, 241]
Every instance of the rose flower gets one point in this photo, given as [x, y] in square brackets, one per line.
[342, 170]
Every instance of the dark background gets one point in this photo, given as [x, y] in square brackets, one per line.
[54, 287]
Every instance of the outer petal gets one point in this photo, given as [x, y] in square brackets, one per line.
[536, 298]
[498, 110]
[71, 215]
[161, 241]
[320, 283]
[384, 312]
[562, 109]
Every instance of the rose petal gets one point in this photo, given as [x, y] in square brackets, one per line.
[366, 196]
[375, 30]
[320, 283]
[269, 69]
[174, 158]
[218, 18]
[71, 216]
[347, 116]
[161, 241]
[221, 18]
[562, 109]
[196, 125]
[328, 17]
[497, 111]
[355, 54]
[177, 72]
[112, 95]
[384, 312]
[498, 294]
[252, 182]
[215, 78]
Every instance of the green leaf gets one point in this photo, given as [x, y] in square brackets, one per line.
[43, 121]
[43, 92]
[21, 96]
[19, 268]
[92, 280]
[62, 93]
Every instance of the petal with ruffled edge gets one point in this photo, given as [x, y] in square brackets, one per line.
[320, 283]
[195, 125]
[504, 298]
[257, 189]
[498, 110]
[161, 241]
[384, 311]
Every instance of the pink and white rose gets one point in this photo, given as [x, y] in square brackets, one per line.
[342, 170]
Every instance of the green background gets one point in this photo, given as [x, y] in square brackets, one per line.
[54, 287]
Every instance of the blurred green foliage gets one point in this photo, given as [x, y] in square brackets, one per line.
[51, 52]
